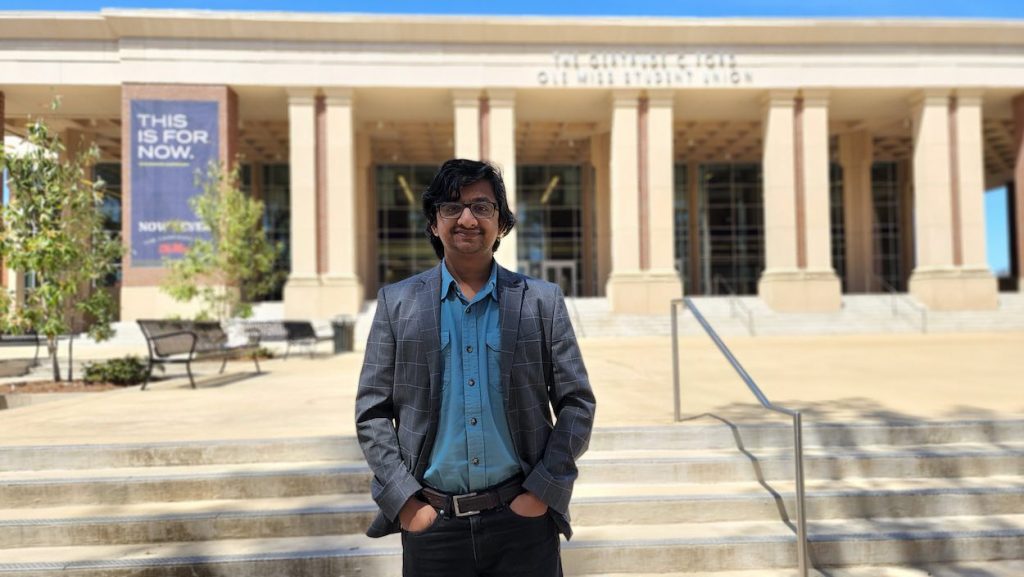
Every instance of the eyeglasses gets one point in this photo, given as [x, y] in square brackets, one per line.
[480, 209]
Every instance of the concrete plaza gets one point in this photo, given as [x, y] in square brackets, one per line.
[833, 378]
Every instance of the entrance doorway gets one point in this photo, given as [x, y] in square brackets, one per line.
[719, 227]
[553, 225]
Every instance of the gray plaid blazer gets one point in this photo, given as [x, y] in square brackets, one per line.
[399, 399]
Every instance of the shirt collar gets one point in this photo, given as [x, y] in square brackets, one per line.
[449, 284]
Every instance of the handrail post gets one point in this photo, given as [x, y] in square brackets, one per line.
[675, 360]
[801, 515]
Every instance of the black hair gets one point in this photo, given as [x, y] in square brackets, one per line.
[447, 185]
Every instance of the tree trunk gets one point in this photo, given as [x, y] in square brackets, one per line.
[51, 347]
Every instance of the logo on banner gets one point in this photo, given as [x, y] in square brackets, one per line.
[173, 141]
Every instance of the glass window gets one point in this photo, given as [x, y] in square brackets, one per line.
[886, 199]
[403, 249]
[549, 211]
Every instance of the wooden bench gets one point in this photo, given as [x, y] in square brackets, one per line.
[297, 333]
[176, 341]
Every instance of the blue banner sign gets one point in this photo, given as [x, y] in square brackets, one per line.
[172, 140]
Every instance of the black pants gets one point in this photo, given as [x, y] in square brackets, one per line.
[495, 543]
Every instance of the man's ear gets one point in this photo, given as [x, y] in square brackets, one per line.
[433, 229]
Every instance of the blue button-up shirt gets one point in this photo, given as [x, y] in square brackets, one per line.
[473, 449]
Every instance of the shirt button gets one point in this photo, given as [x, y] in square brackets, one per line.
[469, 349]
[472, 421]
[476, 461]
[469, 309]
[472, 382]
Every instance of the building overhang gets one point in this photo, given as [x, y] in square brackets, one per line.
[115, 24]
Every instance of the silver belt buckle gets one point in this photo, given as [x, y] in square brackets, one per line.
[458, 510]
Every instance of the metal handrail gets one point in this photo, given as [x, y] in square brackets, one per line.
[897, 297]
[735, 302]
[798, 441]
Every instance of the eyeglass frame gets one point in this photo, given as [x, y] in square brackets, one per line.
[469, 205]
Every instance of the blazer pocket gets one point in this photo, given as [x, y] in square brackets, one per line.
[446, 360]
[494, 359]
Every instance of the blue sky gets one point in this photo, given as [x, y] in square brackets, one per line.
[995, 201]
[828, 8]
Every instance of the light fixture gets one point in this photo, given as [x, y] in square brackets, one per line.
[544, 198]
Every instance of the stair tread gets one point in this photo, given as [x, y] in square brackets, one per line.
[585, 537]
[584, 493]
[987, 569]
[146, 474]
[129, 474]
[951, 449]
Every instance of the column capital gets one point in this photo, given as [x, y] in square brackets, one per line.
[931, 97]
[662, 98]
[969, 96]
[339, 96]
[466, 97]
[779, 98]
[501, 97]
[625, 98]
[301, 95]
[815, 97]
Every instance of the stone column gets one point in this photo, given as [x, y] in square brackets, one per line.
[626, 279]
[302, 290]
[941, 280]
[662, 280]
[970, 173]
[467, 123]
[599, 157]
[797, 276]
[501, 150]
[342, 289]
[366, 207]
[1017, 212]
[856, 153]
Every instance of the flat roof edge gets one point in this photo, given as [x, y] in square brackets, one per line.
[114, 23]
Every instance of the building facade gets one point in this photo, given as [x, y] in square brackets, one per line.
[645, 158]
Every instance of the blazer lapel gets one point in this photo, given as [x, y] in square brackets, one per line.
[510, 291]
[428, 307]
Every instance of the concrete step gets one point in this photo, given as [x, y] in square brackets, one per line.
[686, 547]
[185, 483]
[593, 504]
[716, 435]
[255, 480]
[710, 466]
[179, 453]
[990, 569]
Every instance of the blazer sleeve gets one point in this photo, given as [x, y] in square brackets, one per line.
[392, 483]
[573, 403]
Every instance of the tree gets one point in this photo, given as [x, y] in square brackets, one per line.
[52, 228]
[236, 264]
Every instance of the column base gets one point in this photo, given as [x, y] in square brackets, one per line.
[800, 291]
[302, 298]
[322, 298]
[955, 289]
[341, 296]
[149, 302]
[643, 293]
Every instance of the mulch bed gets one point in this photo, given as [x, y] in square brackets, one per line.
[61, 387]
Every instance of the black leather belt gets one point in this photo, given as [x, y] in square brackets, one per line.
[473, 503]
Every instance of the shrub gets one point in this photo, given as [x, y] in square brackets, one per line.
[130, 370]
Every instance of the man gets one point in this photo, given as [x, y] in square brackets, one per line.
[463, 367]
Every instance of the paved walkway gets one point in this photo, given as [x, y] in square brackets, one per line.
[953, 376]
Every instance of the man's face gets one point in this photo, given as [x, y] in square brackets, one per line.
[467, 234]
